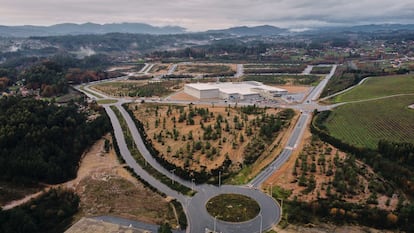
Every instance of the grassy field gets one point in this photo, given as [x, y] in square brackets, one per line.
[107, 101]
[203, 68]
[137, 88]
[233, 207]
[364, 124]
[312, 80]
[379, 87]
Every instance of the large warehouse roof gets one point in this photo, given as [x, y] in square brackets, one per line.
[243, 88]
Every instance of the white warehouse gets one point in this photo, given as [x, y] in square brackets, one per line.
[228, 90]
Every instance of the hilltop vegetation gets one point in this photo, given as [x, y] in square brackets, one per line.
[41, 142]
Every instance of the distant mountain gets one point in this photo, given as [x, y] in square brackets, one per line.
[371, 28]
[87, 28]
[265, 30]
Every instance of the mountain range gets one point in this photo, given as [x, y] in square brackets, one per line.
[87, 28]
[142, 28]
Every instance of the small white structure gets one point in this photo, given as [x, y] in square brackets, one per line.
[227, 90]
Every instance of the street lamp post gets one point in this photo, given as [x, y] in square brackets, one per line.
[271, 189]
[215, 223]
[219, 179]
[261, 222]
[172, 174]
[192, 184]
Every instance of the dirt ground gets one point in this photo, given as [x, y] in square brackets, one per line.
[106, 188]
[293, 89]
[327, 228]
[178, 152]
[181, 95]
[160, 69]
[285, 178]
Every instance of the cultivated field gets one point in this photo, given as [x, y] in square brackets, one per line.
[364, 124]
[379, 87]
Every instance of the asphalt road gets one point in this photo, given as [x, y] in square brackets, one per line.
[198, 218]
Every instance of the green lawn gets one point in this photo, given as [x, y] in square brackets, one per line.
[379, 87]
[364, 124]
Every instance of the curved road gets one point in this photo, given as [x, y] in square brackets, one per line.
[198, 218]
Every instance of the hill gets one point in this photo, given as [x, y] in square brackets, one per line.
[87, 28]
[264, 30]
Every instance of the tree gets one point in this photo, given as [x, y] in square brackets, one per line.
[165, 228]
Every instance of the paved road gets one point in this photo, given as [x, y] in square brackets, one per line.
[286, 153]
[297, 133]
[172, 69]
[239, 71]
[308, 70]
[198, 218]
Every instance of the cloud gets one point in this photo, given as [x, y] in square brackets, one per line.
[202, 14]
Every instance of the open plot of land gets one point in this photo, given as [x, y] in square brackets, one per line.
[138, 88]
[158, 69]
[273, 68]
[201, 138]
[204, 68]
[322, 171]
[364, 124]
[106, 188]
[379, 87]
[285, 79]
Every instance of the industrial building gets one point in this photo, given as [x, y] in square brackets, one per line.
[233, 91]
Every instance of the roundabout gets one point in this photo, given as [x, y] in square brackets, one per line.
[202, 221]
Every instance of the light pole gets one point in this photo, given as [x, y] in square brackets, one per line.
[281, 207]
[261, 222]
[271, 189]
[172, 174]
[215, 222]
[192, 184]
[219, 179]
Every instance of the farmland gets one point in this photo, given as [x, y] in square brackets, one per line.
[379, 87]
[364, 124]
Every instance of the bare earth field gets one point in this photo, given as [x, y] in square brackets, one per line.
[184, 144]
[286, 179]
[106, 188]
[182, 96]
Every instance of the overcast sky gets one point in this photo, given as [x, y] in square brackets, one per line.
[198, 15]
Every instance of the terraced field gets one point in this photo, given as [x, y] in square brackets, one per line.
[364, 124]
[379, 87]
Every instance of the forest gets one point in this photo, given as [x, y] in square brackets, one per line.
[51, 212]
[42, 142]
